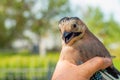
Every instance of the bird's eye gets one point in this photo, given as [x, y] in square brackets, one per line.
[74, 25]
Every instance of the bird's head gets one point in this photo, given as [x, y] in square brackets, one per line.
[72, 29]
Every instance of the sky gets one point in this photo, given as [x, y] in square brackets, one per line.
[108, 7]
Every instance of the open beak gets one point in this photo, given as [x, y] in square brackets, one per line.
[67, 36]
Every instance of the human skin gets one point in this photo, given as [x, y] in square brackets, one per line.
[69, 71]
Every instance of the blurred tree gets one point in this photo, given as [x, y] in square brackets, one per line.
[39, 16]
[106, 30]
[48, 13]
[12, 21]
[112, 30]
[36, 15]
[46, 16]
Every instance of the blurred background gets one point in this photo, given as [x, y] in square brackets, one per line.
[30, 41]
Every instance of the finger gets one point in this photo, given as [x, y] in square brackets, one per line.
[95, 64]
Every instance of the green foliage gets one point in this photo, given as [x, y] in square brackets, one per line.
[12, 21]
[21, 15]
[18, 15]
[107, 30]
[55, 8]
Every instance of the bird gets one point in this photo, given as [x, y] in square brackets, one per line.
[75, 33]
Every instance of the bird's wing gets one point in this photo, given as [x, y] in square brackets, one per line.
[90, 47]
[107, 76]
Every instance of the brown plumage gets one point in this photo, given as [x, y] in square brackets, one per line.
[76, 35]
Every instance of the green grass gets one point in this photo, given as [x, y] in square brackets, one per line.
[36, 61]
[31, 62]
[116, 60]
[116, 63]
[27, 61]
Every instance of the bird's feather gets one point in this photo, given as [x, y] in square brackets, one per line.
[87, 45]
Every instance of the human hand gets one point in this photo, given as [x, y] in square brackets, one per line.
[68, 71]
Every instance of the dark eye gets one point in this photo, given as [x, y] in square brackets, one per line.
[74, 25]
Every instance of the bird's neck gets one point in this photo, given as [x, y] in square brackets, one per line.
[89, 34]
[71, 55]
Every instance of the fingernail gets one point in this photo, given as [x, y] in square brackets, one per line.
[108, 60]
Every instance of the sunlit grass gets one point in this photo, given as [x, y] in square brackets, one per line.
[116, 60]
[36, 61]
[27, 65]
[27, 61]
[117, 63]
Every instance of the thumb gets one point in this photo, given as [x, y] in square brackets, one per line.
[95, 64]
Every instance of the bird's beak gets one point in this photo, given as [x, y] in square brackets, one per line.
[67, 36]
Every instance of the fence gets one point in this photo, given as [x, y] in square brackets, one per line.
[26, 74]
[25, 66]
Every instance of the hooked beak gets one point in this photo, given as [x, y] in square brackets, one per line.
[67, 36]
